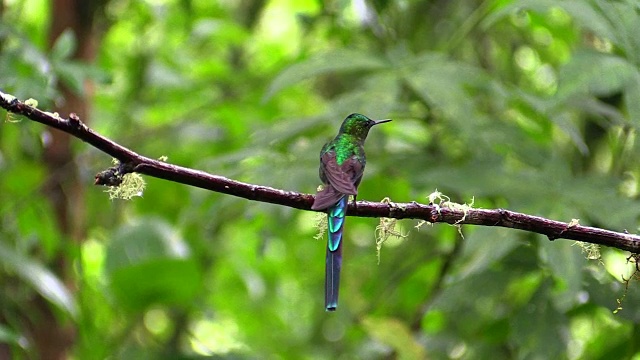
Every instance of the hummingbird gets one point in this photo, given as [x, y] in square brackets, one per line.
[342, 162]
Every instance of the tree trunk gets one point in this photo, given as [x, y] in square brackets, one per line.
[52, 336]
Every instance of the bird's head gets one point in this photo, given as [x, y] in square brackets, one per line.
[358, 125]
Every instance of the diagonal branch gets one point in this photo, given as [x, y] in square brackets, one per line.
[456, 215]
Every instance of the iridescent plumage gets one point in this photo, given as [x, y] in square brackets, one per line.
[342, 162]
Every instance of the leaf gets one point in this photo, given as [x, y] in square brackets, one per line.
[586, 14]
[632, 99]
[64, 46]
[173, 282]
[341, 60]
[450, 88]
[604, 206]
[563, 121]
[583, 12]
[148, 263]
[538, 327]
[565, 262]
[591, 72]
[623, 18]
[375, 97]
[40, 278]
[73, 74]
[8, 336]
[146, 239]
[512, 7]
[396, 334]
[475, 255]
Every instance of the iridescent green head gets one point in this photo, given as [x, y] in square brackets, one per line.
[358, 125]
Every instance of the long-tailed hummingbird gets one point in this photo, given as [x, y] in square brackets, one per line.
[342, 162]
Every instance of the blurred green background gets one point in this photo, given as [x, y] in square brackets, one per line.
[530, 105]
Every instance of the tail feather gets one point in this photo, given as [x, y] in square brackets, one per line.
[336, 217]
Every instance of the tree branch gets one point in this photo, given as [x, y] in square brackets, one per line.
[434, 213]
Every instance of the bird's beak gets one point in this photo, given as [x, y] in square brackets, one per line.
[381, 121]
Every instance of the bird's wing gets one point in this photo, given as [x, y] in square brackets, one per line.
[326, 198]
[344, 178]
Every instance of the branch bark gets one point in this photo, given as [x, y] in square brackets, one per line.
[434, 213]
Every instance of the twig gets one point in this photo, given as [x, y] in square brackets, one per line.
[133, 162]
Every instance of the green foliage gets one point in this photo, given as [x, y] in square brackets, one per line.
[528, 105]
[148, 264]
[39, 279]
[339, 60]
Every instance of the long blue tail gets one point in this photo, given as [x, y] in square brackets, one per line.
[336, 216]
